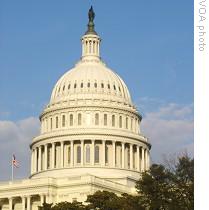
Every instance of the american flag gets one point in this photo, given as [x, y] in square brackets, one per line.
[15, 162]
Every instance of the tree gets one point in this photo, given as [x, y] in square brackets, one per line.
[103, 200]
[168, 188]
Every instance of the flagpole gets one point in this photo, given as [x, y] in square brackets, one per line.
[12, 170]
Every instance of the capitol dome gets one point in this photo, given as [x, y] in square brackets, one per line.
[90, 126]
[90, 80]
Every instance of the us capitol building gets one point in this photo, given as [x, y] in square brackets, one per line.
[90, 137]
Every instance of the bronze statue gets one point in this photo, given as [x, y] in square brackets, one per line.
[91, 14]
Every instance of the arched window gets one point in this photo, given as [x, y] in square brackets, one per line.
[82, 85]
[102, 85]
[78, 154]
[63, 120]
[88, 85]
[68, 86]
[63, 88]
[108, 86]
[120, 122]
[71, 119]
[87, 154]
[96, 119]
[105, 119]
[56, 122]
[113, 120]
[96, 151]
[114, 87]
[106, 153]
[95, 85]
[126, 122]
[79, 119]
[75, 85]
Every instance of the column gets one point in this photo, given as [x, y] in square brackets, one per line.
[142, 161]
[123, 154]
[53, 155]
[113, 154]
[10, 203]
[42, 199]
[92, 152]
[131, 156]
[103, 152]
[28, 203]
[82, 151]
[32, 157]
[39, 158]
[23, 203]
[71, 153]
[137, 158]
[45, 156]
[61, 154]
[148, 159]
[35, 161]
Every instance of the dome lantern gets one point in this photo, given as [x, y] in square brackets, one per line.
[90, 41]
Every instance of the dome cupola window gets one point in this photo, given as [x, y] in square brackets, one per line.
[126, 122]
[96, 119]
[82, 85]
[105, 119]
[113, 120]
[120, 122]
[108, 86]
[57, 122]
[102, 85]
[75, 85]
[95, 85]
[88, 85]
[63, 88]
[69, 87]
[79, 119]
[63, 120]
[114, 87]
[71, 119]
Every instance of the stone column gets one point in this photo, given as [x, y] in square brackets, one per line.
[148, 159]
[39, 158]
[71, 153]
[82, 151]
[137, 158]
[35, 160]
[142, 161]
[61, 154]
[10, 203]
[28, 203]
[32, 160]
[103, 152]
[42, 199]
[45, 156]
[123, 154]
[113, 154]
[23, 203]
[92, 152]
[53, 155]
[131, 156]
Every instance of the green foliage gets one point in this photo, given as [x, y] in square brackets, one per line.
[161, 188]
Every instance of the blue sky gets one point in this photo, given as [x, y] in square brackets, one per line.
[148, 43]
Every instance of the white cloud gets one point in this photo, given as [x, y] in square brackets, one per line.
[170, 130]
[15, 138]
